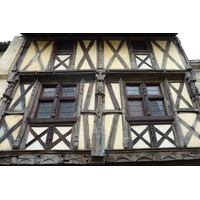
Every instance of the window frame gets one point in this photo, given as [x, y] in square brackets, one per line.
[148, 52]
[148, 117]
[57, 51]
[56, 120]
[57, 99]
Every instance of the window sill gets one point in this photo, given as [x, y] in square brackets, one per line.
[52, 121]
[150, 120]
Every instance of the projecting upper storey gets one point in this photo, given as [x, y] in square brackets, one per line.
[90, 51]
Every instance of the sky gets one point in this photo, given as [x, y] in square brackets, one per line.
[189, 41]
[78, 16]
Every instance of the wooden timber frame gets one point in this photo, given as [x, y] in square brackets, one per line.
[101, 77]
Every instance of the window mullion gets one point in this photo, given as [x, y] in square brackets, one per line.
[49, 137]
[153, 138]
[146, 100]
[56, 101]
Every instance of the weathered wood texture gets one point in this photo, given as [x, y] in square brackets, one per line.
[113, 61]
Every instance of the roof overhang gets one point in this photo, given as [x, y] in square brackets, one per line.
[100, 34]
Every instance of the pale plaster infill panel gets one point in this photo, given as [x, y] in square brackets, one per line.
[10, 56]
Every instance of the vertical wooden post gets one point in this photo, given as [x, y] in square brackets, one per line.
[153, 138]
[55, 103]
[76, 127]
[127, 142]
[27, 114]
[98, 137]
[49, 137]
[146, 101]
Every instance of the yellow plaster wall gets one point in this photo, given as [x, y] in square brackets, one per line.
[123, 53]
[92, 100]
[158, 53]
[81, 144]
[172, 52]
[5, 145]
[184, 94]
[81, 135]
[171, 65]
[45, 56]
[108, 101]
[92, 53]
[46, 53]
[18, 94]
[28, 95]
[29, 55]
[189, 118]
[119, 134]
[11, 120]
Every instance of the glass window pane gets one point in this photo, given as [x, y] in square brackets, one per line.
[68, 92]
[136, 108]
[133, 90]
[45, 110]
[66, 109]
[139, 46]
[49, 92]
[157, 108]
[65, 46]
[153, 90]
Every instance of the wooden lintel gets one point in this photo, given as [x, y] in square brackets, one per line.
[55, 76]
[57, 121]
[145, 75]
[150, 119]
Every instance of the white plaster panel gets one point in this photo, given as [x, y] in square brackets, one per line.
[140, 143]
[61, 145]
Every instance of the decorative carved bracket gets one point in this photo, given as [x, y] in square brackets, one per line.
[98, 146]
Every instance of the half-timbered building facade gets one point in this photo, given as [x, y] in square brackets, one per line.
[99, 99]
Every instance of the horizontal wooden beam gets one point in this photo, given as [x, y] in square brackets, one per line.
[150, 119]
[55, 76]
[145, 75]
[55, 121]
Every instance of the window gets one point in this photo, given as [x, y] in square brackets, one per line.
[139, 46]
[142, 55]
[145, 100]
[63, 55]
[65, 46]
[147, 116]
[57, 102]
